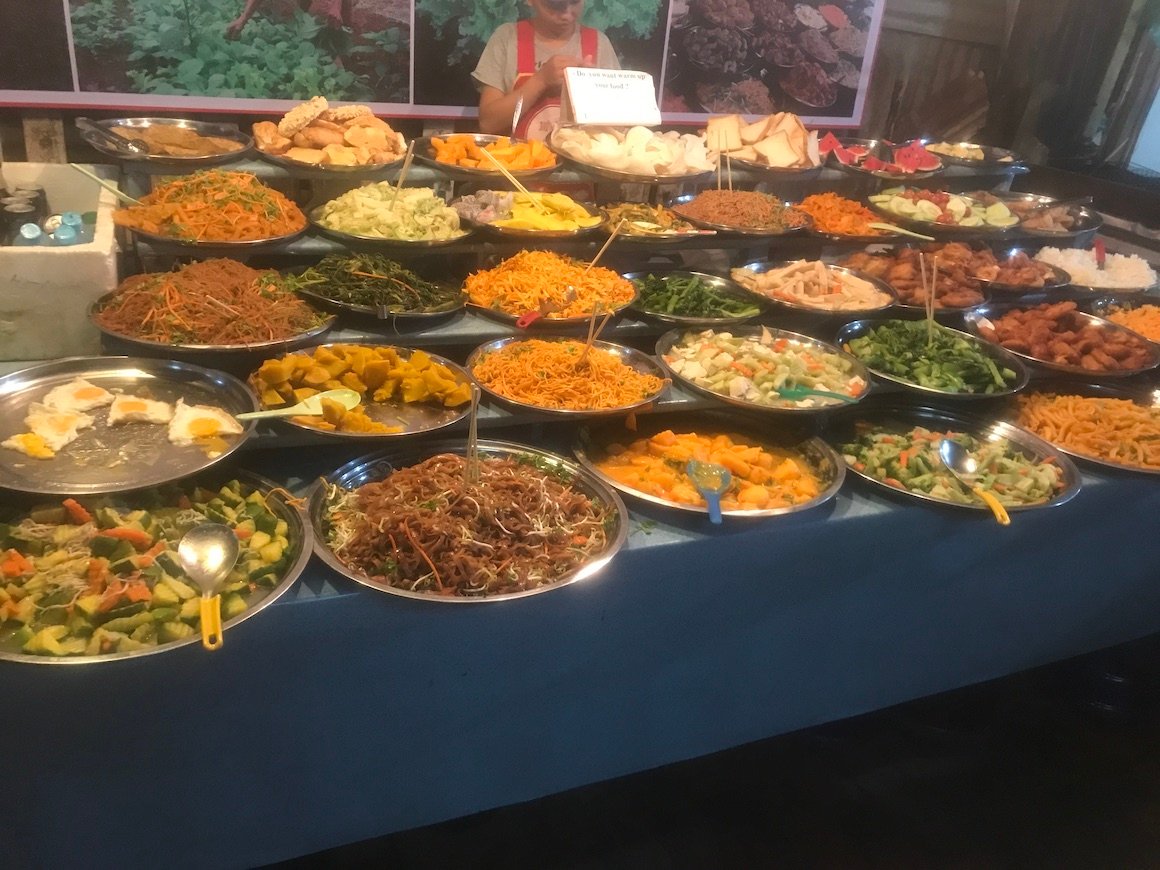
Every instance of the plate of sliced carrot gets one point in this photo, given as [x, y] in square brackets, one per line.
[214, 208]
[460, 155]
[774, 470]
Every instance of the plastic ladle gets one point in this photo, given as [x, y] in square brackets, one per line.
[712, 481]
[311, 407]
[965, 467]
[796, 393]
[208, 553]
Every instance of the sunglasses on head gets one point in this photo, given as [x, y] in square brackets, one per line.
[561, 5]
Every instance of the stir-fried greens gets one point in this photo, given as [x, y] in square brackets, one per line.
[377, 282]
[689, 296]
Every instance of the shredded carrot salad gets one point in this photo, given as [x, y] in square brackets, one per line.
[1145, 320]
[214, 206]
[551, 284]
[549, 374]
[840, 216]
[208, 302]
[1116, 430]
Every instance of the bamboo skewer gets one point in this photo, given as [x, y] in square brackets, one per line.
[403, 172]
[515, 182]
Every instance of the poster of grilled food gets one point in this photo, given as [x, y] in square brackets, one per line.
[415, 57]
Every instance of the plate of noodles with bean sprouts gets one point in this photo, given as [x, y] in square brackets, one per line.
[438, 526]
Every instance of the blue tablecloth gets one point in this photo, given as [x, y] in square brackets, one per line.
[340, 714]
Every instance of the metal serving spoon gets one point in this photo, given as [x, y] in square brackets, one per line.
[311, 407]
[208, 553]
[712, 481]
[962, 465]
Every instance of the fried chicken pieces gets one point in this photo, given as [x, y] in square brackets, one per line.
[955, 287]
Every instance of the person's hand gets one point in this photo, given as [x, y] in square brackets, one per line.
[235, 27]
[552, 72]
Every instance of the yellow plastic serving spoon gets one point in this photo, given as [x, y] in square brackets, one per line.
[208, 553]
[962, 465]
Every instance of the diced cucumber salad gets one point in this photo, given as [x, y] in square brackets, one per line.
[98, 578]
[909, 461]
[754, 369]
[940, 207]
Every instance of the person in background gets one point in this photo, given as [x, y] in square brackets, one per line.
[336, 13]
[521, 71]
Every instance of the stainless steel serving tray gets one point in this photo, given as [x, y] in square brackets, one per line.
[993, 157]
[354, 238]
[384, 312]
[763, 266]
[1088, 220]
[298, 535]
[806, 173]
[822, 459]
[619, 175]
[1008, 360]
[225, 247]
[666, 342]
[1147, 397]
[902, 418]
[535, 235]
[635, 359]
[202, 128]
[204, 352]
[807, 221]
[425, 153]
[376, 466]
[724, 286]
[105, 459]
[641, 237]
[330, 168]
[1060, 278]
[936, 229]
[982, 317]
[415, 418]
[883, 151]
[1104, 306]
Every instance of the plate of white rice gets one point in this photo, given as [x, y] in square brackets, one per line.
[1119, 272]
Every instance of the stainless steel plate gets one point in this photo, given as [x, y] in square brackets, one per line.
[883, 151]
[533, 235]
[993, 158]
[339, 235]
[639, 236]
[1088, 221]
[203, 351]
[415, 418]
[935, 228]
[203, 128]
[1140, 395]
[330, 168]
[767, 265]
[903, 418]
[816, 453]
[795, 340]
[982, 317]
[377, 466]
[384, 312]
[636, 360]
[297, 534]
[115, 458]
[425, 153]
[1008, 360]
[1104, 306]
[807, 221]
[1059, 278]
[808, 173]
[244, 245]
[723, 286]
[618, 175]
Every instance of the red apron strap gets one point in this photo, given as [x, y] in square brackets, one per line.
[589, 43]
[525, 48]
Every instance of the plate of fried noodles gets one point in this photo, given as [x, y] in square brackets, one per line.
[432, 525]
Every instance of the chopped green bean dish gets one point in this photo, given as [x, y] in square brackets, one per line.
[689, 296]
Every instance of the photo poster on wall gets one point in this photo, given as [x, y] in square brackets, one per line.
[415, 57]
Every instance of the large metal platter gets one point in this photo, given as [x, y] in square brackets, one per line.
[666, 342]
[935, 228]
[993, 158]
[807, 221]
[203, 128]
[774, 173]
[297, 534]
[548, 323]
[1059, 280]
[202, 352]
[821, 458]
[903, 418]
[618, 175]
[981, 317]
[383, 312]
[766, 265]
[723, 286]
[535, 235]
[635, 359]
[115, 459]
[425, 153]
[1009, 360]
[354, 238]
[1137, 394]
[1086, 291]
[1107, 305]
[376, 466]
[415, 418]
[330, 168]
[1088, 220]
[243, 245]
[883, 151]
[640, 237]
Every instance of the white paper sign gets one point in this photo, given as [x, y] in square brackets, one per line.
[616, 97]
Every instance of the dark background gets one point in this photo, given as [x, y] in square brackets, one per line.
[33, 47]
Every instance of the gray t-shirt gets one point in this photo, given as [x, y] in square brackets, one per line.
[497, 64]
